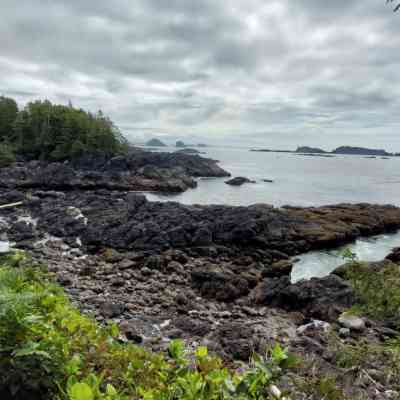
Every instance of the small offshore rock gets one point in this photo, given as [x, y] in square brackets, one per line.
[238, 181]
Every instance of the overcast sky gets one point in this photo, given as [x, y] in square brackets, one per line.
[253, 72]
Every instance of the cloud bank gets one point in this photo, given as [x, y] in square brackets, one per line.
[274, 73]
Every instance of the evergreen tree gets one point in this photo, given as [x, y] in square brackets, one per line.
[55, 132]
[8, 114]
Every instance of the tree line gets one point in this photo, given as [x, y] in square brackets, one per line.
[52, 132]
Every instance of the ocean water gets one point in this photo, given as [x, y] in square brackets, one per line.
[321, 263]
[304, 181]
[298, 180]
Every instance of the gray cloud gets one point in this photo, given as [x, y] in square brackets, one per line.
[265, 73]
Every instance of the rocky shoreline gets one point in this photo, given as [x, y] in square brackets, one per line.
[138, 171]
[215, 275]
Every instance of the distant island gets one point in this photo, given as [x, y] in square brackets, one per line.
[155, 143]
[342, 150]
[310, 150]
[180, 144]
[361, 151]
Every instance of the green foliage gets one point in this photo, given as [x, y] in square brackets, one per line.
[377, 288]
[321, 387]
[48, 348]
[348, 255]
[51, 132]
[8, 114]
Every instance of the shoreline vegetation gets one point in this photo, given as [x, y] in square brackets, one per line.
[49, 350]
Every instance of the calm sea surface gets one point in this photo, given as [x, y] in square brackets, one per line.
[304, 181]
[298, 180]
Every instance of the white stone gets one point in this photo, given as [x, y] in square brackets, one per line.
[352, 322]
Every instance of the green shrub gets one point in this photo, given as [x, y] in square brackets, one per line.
[321, 387]
[49, 347]
[377, 289]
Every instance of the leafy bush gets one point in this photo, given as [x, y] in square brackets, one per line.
[8, 114]
[49, 349]
[377, 289]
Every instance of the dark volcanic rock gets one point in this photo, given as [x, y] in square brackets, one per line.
[222, 286]
[126, 221]
[394, 255]
[237, 341]
[321, 298]
[110, 309]
[238, 181]
[140, 171]
[278, 269]
[192, 326]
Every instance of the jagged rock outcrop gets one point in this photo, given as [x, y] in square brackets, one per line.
[128, 221]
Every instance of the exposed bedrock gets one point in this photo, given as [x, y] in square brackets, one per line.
[127, 221]
[140, 171]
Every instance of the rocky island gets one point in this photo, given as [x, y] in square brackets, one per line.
[310, 150]
[360, 151]
[155, 143]
[342, 150]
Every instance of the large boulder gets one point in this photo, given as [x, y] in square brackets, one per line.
[320, 298]
[394, 255]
